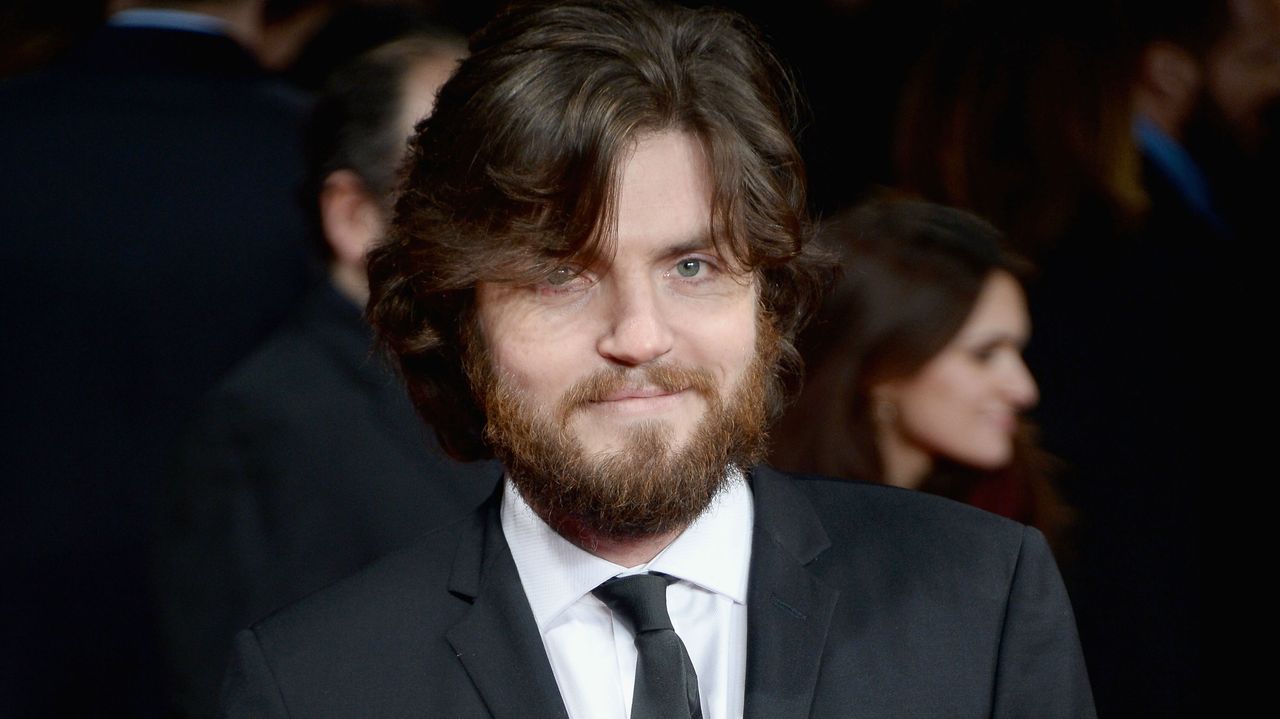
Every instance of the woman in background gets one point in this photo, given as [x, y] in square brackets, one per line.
[914, 371]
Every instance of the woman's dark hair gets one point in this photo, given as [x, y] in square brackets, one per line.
[517, 171]
[912, 275]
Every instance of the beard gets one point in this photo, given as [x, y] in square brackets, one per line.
[648, 486]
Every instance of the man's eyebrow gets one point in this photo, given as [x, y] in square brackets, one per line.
[702, 243]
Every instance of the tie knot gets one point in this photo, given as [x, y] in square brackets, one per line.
[641, 598]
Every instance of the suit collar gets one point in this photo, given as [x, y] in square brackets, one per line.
[788, 608]
[336, 323]
[327, 314]
[497, 640]
[786, 516]
[170, 19]
[712, 553]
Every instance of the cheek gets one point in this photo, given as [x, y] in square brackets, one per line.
[942, 412]
[723, 345]
[939, 395]
[719, 336]
[948, 432]
[533, 354]
[933, 419]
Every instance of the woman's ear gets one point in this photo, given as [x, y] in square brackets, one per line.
[884, 402]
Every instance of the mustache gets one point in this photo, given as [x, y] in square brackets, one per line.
[608, 381]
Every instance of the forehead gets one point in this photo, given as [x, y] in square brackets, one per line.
[666, 174]
[1000, 308]
[664, 196]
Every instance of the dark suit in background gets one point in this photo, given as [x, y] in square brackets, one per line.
[1123, 353]
[305, 464]
[151, 236]
[864, 601]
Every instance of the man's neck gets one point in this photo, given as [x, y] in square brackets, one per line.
[350, 282]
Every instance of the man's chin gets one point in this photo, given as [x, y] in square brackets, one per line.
[609, 439]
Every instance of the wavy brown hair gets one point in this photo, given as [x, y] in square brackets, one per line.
[517, 172]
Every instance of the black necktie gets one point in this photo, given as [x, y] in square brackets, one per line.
[666, 684]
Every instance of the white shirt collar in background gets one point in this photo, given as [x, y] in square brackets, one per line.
[170, 20]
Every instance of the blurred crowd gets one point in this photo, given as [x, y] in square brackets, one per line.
[1033, 206]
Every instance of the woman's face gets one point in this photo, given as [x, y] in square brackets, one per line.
[964, 403]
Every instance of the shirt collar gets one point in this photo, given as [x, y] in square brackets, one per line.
[170, 20]
[1179, 168]
[713, 553]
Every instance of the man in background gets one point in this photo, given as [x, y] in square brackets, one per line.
[1207, 97]
[152, 235]
[307, 462]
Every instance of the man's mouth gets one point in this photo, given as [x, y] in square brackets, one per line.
[637, 393]
[638, 400]
[629, 393]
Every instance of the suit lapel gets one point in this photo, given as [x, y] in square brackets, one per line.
[497, 641]
[788, 609]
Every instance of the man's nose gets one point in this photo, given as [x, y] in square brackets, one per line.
[637, 328]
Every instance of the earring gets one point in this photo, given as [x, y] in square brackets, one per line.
[884, 411]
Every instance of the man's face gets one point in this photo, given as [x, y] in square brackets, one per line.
[1242, 72]
[642, 373]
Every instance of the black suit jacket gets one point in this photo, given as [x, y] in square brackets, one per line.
[863, 601]
[150, 226]
[304, 465]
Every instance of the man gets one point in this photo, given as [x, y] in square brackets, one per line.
[306, 462]
[1207, 95]
[597, 267]
[154, 238]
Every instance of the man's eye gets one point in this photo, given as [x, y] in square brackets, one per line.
[562, 275]
[689, 267]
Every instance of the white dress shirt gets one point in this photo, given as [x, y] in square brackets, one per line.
[593, 656]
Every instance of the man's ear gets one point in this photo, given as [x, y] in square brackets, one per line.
[1168, 85]
[352, 217]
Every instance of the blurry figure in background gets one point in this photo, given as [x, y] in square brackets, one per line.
[32, 32]
[308, 40]
[1021, 113]
[152, 235]
[1025, 114]
[1131, 326]
[308, 462]
[1207, 97]
[914, 368]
